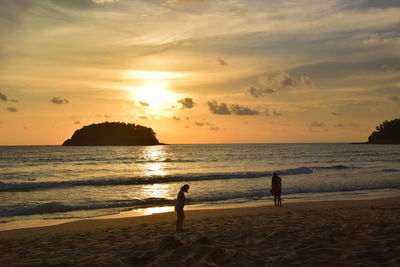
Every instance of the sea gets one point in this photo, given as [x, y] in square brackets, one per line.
[39, 183]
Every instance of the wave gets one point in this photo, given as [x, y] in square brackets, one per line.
[29, 186]
[115, 206]
[168, 160]
[335, 167]
[389, 170]
[259, 194]
[99, 160]
[56, 207]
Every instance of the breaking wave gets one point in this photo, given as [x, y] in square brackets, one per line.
[33, 185]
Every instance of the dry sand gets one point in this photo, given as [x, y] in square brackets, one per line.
[329, 233]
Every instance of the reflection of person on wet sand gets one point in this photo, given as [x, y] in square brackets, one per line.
[276, 188]
[180, 203]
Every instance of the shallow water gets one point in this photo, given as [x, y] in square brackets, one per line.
[53, 182]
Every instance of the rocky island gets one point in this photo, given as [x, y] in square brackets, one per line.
[388, 132]
[113, 134]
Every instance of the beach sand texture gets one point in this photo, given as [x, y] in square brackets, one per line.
[329, 233]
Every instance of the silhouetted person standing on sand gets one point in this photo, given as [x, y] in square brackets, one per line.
[276, 188]
[180, 203]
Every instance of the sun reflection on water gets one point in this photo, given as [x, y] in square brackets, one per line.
[161, 191]
[149, 211]
[155, 156]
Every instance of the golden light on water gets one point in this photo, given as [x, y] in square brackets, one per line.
[158, 191]
[149, 211]
[155, 169]
[155, 155]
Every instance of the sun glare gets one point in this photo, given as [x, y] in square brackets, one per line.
[151, 75]
[153, 93]
[152, 88]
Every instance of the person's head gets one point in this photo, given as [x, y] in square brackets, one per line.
[185, 188]
[275, 174]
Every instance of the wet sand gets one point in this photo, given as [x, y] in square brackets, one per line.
[327, 233]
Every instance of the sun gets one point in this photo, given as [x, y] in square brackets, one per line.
[153, 93]
[152, 87]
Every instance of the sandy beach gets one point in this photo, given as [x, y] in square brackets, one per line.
[328, 233]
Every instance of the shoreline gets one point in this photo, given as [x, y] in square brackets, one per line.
[144, 212]
[317, 233]
[168, 212]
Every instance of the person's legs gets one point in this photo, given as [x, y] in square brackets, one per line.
[179, 221]
[275, 198]
[279, 200]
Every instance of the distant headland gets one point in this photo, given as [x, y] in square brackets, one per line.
[388, 132]
[113, 134]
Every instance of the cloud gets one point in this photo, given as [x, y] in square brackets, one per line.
[176, 118]
[283, 79]
[12, 109]
[179, 2]
[3, 97]
[239, 110]
[273, 113]
[221, 109]
[77, 122]
[103, 116]
[335, 113]
[143, 117]
[394, 98]
[305, 81]
[367, 4]
[104, 1]
[341, 125]
[59, 101]
[221, 61]
[187, 102]
[143, 104]
[200, 124]
[318, 124]
[334, 71]
[81, 4]
[253, 91]
[279, 81]
[11, 10]
[212, 126]
[276, 113]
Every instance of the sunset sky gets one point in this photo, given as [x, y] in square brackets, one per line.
[211, 71]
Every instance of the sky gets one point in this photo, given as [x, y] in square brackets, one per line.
[199, 71]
